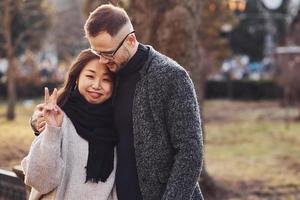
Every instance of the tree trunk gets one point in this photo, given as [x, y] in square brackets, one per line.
[11, 88]
[171, 27]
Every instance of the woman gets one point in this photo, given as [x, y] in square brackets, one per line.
[74, 157]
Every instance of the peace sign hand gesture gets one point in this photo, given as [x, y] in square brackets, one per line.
[52, 113]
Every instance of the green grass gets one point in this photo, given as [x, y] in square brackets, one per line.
[251, 151]
[253, 145]
[16, 136]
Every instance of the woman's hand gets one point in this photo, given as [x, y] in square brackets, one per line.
[53, 115]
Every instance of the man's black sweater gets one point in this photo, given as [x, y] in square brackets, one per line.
[126, 174]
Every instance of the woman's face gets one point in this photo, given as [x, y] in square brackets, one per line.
[95, 83]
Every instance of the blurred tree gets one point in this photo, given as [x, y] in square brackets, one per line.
[293, 36]
[249, 36]
[66, 34]
[22, 26]
[289, 77]
[215, 19]
[289, 65]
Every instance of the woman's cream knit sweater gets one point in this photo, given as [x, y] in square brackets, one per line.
[55, 167]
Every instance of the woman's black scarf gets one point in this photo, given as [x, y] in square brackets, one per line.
[94, 123]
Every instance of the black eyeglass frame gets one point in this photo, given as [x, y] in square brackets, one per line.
[110, 54]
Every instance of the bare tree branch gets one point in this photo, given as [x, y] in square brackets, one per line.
[24, 44]
[9, 48]
[27, 32]
[2, 43]
[28, 3]
[7, 27]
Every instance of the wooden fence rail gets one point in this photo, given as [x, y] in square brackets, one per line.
[11, 187]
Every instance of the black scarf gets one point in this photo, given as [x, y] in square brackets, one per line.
[94, 123]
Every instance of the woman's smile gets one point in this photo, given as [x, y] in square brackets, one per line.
[94, 94]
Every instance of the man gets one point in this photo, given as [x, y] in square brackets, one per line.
[156, 113]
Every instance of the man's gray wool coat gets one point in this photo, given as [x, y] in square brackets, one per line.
[167, 131]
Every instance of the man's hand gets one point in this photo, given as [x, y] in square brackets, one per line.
[37, 120]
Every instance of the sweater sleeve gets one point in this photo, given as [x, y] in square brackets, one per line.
[184, 126]
[43, 165]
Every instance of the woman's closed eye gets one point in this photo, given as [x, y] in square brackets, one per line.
[107, 80]
[89, 76]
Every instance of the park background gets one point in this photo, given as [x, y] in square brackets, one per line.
[243, 57]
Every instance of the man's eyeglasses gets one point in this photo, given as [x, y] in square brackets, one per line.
[110, 54]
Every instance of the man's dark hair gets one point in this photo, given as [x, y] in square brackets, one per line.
[107, 18]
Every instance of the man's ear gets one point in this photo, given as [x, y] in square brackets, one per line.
[131, 40]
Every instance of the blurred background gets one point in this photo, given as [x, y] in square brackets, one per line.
[243, 57]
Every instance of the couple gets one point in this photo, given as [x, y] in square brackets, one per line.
[125, 125]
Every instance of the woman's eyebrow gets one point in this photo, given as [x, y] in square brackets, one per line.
[90, 70]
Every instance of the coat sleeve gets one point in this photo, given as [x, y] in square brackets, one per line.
[43, 165]
[184, 126]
